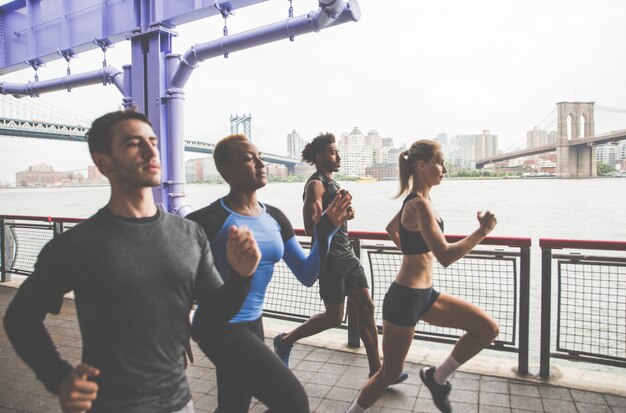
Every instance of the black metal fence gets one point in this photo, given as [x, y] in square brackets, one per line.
[587, 309]
[495, 277]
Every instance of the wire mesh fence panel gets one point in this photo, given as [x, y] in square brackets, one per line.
[490, 282]
[592, 309]
[287, 297]
[29, 241]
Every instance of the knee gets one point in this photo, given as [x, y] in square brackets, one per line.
[366, 309]
[495, 330]
[491, 331]
[333, 316]
[334, 319]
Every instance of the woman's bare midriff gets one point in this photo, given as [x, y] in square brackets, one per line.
[416, 271]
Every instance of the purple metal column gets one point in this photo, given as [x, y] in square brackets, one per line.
[148, 85]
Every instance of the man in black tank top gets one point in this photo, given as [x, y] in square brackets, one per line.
[343, 274]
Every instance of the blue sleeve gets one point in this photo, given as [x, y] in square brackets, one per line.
[307, 268]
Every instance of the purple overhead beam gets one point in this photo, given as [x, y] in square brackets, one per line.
[105, 76]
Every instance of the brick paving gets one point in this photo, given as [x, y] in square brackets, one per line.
[331, 378]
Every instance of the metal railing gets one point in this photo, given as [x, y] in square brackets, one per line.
[495, 276]
[589, 299]
[23, 237]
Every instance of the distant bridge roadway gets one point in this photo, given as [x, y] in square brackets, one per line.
[53, 131]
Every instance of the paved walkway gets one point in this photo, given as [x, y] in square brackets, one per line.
[332, 379]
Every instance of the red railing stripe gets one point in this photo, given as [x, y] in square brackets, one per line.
[38, 218]
[383, 236]
[555, 243]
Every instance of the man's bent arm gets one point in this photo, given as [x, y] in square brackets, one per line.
[312, 194]
[24, 326]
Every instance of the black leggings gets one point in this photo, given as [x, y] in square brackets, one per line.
[246, 367]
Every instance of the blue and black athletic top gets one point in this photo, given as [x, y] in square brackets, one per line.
[276, 239]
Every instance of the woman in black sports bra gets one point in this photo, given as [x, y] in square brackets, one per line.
[418, 231]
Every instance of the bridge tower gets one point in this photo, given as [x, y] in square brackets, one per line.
[245, 120]
[575, 121]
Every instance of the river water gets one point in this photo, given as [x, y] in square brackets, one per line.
[547, 208]
[588, 209]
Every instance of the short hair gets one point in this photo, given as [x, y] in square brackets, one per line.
[223, 150]
[99, 135]
[316, 147]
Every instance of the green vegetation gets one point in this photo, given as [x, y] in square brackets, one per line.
[481, 174]
[290, 178]
[604, 169]
[344, 178]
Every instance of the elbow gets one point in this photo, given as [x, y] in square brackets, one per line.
[388, 230]
[444, 259]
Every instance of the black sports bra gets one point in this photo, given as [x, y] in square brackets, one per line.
[412, 242]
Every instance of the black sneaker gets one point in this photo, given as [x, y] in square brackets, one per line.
[438, 391]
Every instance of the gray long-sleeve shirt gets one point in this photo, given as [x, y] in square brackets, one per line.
[135, 281]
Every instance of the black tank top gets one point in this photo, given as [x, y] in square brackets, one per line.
[340, 244]
[412, 242]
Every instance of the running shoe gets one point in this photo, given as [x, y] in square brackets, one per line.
[439, 392]
[281, 349]
[401, 378]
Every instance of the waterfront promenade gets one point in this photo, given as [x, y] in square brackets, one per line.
[331, 377]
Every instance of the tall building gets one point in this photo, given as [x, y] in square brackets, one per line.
[539, 137]
[607, 153]
[469, 148]
[201, 170]
[387, 142]
[373, 139]
[442, 138]
[193, 170]
[355, 156]
[295, 144]
[354, 159]
[354, 138]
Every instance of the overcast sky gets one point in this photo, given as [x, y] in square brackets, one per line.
[409, 69]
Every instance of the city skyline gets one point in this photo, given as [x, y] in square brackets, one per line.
[411, 72]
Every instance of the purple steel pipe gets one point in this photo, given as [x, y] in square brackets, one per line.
[175, 144]
[128, 90]
[330, 13]
[105, 75]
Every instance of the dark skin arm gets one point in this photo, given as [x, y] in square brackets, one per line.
[312, 203]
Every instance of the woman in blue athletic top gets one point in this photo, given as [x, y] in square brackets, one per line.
[245, 366]
[418, 231]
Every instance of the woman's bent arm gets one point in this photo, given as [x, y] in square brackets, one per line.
[446, 253]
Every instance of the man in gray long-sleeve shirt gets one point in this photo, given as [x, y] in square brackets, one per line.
[135, 271]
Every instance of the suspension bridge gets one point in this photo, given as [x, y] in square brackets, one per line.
[574, 140]
[39, 120]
